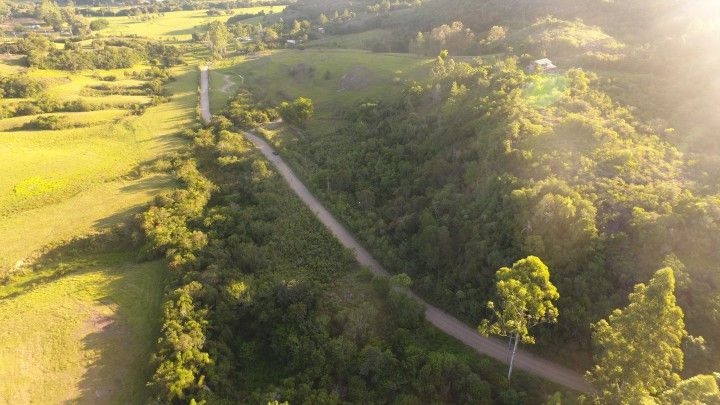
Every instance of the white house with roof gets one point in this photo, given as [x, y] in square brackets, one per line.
[544, 65]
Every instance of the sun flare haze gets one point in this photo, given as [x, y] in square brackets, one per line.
[360, 202]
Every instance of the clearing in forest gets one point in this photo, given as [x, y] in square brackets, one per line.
[335, 79]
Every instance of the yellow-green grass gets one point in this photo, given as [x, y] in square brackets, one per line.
[42, 167]
[76, 119]
[545, 90]
[10, 64]
[94, 210]
[80, 331]
[64, 86]
[175, 25]
[335, 79]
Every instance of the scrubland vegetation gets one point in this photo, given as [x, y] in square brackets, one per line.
[267, 306]
[575, 209]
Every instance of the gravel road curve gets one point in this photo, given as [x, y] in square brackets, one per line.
[442, 320]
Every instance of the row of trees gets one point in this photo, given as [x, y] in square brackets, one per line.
[40, 52]
[60, 18]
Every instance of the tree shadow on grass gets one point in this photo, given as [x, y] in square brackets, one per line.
[122, 340]
[121, 307]
[117, 232]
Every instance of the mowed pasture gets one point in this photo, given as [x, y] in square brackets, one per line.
[80, 330]
[43, 167]
[175, 25]
[335, 79]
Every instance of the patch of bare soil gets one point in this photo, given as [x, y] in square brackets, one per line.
[100, 322]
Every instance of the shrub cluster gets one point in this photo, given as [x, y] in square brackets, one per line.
[101, 54]
[259, 310]
[20, 86]
[48, 122]
[46, 104]
[245, 112]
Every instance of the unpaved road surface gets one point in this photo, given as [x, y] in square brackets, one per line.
[442, 320]
[204, 94]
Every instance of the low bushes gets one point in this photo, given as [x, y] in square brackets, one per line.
[48, 122]
[20, 86]
[245, 112]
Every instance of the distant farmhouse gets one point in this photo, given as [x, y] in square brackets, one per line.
[541, 65]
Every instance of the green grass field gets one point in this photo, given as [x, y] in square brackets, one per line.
[545, 90]
[47, 167]
[334, 79]
[176, 25]
[80, 331]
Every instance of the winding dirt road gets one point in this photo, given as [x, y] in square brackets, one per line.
[442, 320]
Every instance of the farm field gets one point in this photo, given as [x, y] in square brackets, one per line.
[74, 183]
[176, 25]
[335, 79]
[80, 331]
[45, 168]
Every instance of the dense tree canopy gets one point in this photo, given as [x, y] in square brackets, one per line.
[638, 350]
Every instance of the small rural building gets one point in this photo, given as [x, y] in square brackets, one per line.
[321, 30]
[541, 65]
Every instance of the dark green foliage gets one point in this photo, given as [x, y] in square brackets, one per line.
[99, 24]
[48, 122]
[466, 174]
[296, 112]
[181, 359]
[101, 54]
[245, 112]
[20, 86]
[280, 308]
[167, 223]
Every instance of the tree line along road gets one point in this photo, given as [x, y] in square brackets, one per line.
[447, 323]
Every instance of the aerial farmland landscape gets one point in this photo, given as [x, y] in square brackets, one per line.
[360, 202]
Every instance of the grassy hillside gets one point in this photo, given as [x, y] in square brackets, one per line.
[175, 25]
[360, 40]
[335, 79]
[79, 320]
[80, 330]
[50, 171]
